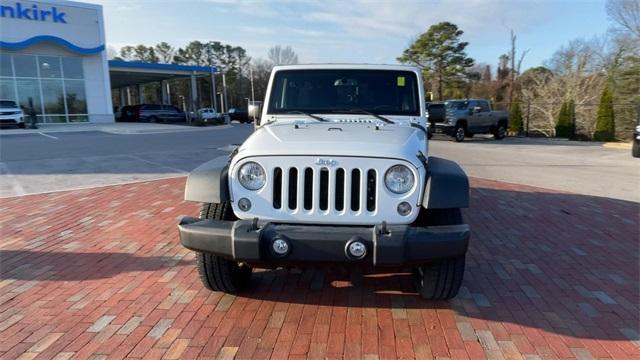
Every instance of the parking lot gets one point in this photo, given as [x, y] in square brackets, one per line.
[51, 161]
[97, 270]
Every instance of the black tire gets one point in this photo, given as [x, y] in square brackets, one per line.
[440, 280]
[459, 133]
[21, 125]
[218, 273]
[635, 148]
[500, 132]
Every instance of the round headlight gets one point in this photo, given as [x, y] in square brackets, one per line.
[252, 176]
[399, 179]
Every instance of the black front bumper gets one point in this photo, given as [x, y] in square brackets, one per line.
[443, 128]
[244, 240]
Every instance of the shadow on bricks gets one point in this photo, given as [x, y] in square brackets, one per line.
[75, 266]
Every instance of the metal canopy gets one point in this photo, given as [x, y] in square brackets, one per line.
[128, 73]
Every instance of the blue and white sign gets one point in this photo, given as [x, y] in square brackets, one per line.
[78, 27]
[25, 12]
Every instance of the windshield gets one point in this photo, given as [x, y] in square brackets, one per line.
[8, 104]
[328, 91]
[457, 105]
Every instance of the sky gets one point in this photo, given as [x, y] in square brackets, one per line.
[355, 31]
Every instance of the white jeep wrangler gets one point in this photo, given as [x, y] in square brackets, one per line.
[337, 171]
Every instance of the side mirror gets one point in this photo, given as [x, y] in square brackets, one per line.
[255, 111]
[476, 109]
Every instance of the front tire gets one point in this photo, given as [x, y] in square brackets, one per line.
[500, 132]
[635, 148]
[218, 273]
[441, 279]
[459, 133]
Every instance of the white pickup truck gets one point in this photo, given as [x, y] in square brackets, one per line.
[337, 171]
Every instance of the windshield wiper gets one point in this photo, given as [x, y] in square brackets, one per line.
[316, 117]
[365, 112]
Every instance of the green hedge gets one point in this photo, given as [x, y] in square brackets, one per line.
[605, 122]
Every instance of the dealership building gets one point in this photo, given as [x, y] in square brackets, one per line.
[53, 59]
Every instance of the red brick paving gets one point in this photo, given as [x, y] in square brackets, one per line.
[101, 273]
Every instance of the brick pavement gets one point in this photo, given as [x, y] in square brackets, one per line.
[100, 273]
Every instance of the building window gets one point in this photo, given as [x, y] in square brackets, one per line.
[72, 68]
[6, 69]
[7, 89]
[29, 91]
[25, 65]
[53, 85]
[76, 99]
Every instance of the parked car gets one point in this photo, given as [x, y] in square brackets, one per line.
[11, 114]
[338, 174]
[464, 118]
[152, 113]
[635, 148]
[239, 115]
[209, 115]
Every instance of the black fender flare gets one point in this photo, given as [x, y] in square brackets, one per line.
[208, 183]
[447, 185]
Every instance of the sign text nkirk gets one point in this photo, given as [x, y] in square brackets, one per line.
[20, 11]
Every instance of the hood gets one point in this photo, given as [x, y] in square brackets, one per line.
[364, 139]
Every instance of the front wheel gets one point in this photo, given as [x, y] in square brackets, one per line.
[441, 279]
[218, 273]
[459, 133]
[500, 132]
[635, 149]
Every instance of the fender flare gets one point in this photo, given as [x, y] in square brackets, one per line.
[447, 185]
[208, 183]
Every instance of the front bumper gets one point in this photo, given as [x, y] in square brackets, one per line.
[11, 119]
[245, 240]
[443, 128]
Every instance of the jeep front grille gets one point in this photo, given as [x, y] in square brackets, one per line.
[325, 188]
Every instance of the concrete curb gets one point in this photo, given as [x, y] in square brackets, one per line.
[617, 145]
[115, 128]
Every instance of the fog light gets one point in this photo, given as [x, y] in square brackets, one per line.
[357, 249]
[244, 204]
[404, 208]
[280, 247]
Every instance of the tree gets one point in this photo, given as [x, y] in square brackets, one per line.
[515, 121]
[563, 126]
[145, 54]
[515, 68]
[282, 56]
[138, 53]
[625, 14]
[261, 72]
[441, 54]
[165, 52]
[605, 122]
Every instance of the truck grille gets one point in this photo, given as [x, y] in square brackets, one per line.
[324, 188]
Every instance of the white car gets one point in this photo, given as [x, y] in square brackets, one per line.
[337, 171]
[209, 114]
[11, 114]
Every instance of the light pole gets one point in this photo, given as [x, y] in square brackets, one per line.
[253, 95]
[224, 92]
[213, 79]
